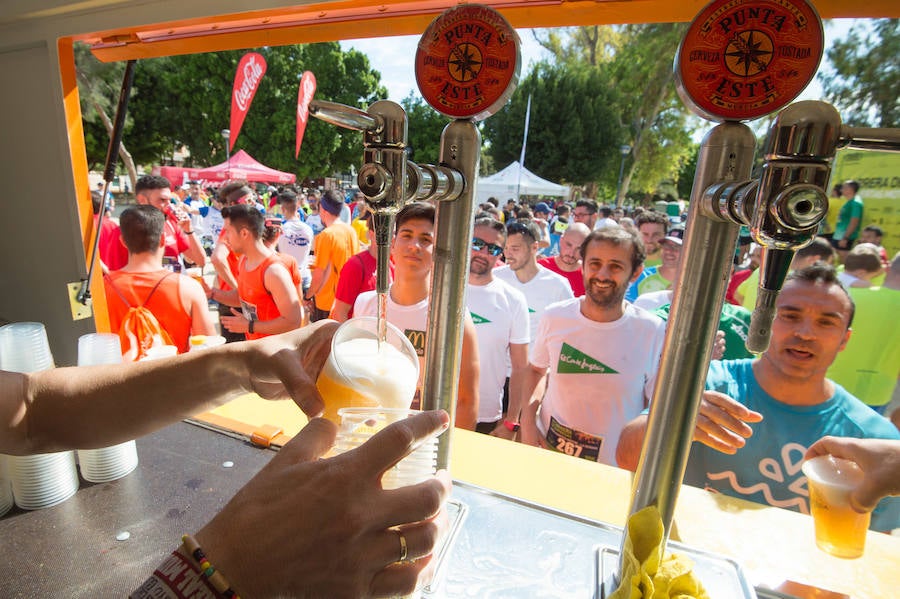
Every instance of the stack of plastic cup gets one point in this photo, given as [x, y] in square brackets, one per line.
[108, 463]
[359, 424]
[42, 480]
[6, 496]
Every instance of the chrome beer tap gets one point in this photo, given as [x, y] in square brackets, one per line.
[387, 179]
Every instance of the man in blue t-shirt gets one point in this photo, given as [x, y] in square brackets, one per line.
[786, 389]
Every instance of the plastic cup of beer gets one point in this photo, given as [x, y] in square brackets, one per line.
[840, 530]
[361, 372]
[196, 274]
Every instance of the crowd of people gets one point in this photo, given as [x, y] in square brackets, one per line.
[567, 308]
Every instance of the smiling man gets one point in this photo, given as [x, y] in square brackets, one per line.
[412, 253]
[785, 387]
[601, 352]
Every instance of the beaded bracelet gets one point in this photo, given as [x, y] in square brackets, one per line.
[214, 577]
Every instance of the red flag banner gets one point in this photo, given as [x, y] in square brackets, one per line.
[249, 73]
[304, 97]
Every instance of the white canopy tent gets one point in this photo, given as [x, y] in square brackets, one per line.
[503, 185]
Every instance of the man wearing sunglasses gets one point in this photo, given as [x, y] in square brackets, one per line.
[601, 354]
[500, 314]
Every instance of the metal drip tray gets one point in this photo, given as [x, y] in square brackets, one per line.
[507, 547]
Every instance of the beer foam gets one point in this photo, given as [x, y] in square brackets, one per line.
[380, 372]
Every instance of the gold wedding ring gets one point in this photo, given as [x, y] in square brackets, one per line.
[403, 549]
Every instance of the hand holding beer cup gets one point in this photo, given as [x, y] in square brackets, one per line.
[363, 372]
[840, 529]
[328, 529]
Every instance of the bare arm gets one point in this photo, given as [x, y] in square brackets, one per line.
[721, 424]
[319, 277]
[193, 300]
[219, 260]
[195, 252]
[469, 373]
[518, 358]
[532, 393]
[340, 311]
[82, 407]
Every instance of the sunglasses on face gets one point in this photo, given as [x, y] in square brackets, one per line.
[492, 248]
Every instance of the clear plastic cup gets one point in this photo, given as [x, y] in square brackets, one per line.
[840, 530]
[99, 348]
[40, 480]
[358, 425]
[106, 463]
[24, 347]
[360, 372]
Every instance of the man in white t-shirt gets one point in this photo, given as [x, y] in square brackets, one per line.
[540, 286]
[408, 300]
[296, 237]
[602, 354]
[500, 314]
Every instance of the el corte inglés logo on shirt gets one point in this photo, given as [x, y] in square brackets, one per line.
[477, 319]
[573, 361]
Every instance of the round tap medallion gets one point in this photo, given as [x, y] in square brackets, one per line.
[743, 59]
[468, 62]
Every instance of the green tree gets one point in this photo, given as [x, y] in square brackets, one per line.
[637, 62]
[425, 127]
[864, 79]
[574, 133]
[186, 101]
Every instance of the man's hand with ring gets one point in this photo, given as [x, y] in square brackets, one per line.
[309, 527]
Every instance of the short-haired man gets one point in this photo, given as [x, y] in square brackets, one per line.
[540, 286]
[180, 237]
[660, 278]
[585, 212]
[408, 301]
[861, 265]
[786, 388]
[568, 262]
[653, 227]
[296, 236]
[500, 314]
[223, 259]
[265, 292]
[602, 354]
[177, 301]
[606, 219]
[849, 219]
[333, 247]
[874, 234]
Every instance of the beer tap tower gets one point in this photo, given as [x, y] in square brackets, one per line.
[737, 61]
[467, 67]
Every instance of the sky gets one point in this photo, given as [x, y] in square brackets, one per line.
[393, 57]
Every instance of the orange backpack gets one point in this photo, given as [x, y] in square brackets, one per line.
[140, 330]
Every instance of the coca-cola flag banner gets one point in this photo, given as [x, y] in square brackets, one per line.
[304, 97]
[249, 73]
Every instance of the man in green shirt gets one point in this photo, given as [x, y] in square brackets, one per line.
[849, 219]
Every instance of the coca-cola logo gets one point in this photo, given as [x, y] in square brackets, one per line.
[253, 72]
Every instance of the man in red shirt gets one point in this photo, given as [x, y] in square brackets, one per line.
[180, 237]
[265, 292]
[176, 300]
[568, 262]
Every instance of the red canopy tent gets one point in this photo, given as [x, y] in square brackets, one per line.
[240, 166]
